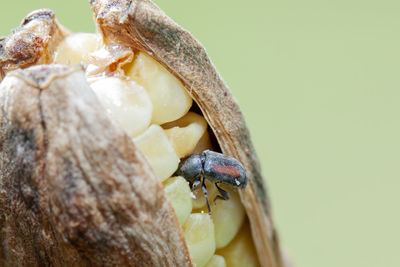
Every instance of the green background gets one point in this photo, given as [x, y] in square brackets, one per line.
[318, 82]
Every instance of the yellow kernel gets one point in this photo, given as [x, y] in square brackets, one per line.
[75, 49]
[216, 261]
[199, 233]
[126, 101]
[228, 216]
[158, 151]
[241, 251]
[185, 133]
[170, 99]
[178, 192]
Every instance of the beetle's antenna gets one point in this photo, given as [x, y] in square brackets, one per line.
[204, 188]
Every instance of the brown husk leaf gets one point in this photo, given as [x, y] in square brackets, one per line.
[34, 42]
[74, 190]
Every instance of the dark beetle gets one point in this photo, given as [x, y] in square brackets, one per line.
[217, 168]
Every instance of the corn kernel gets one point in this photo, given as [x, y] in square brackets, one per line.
[228, 216]
[126, 101]
[178, 192]
[199, 233]
[170, 99]
[216, 261]
[75, 49]
[158, 150]
[240, 252]
[203, 144]
[185, 133]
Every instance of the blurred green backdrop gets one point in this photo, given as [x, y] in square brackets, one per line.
[319, 84]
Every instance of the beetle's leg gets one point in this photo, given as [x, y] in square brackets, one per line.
[204, 188]
[224, 195]
[195, 184]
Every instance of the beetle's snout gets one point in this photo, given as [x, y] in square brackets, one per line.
[191, 168]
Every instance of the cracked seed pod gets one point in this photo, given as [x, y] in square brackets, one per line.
[85, 151]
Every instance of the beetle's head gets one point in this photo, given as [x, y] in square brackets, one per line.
[191, 168]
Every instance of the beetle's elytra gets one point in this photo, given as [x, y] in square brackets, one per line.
[217, 168]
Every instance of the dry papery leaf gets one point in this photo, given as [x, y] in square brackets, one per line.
[74, 189]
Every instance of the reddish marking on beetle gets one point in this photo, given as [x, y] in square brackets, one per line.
[229, 170]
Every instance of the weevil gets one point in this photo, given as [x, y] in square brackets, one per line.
[215, 167]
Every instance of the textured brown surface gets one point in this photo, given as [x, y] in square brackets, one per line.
[74, 191]
[32, 43]
[142, 25]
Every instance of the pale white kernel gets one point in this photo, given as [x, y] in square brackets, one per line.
[170, 99]
[75, 48]
[199, 233]
[185, 133]
[126, 101]
[178, 192]
[216, 261]
[158, 151]
[228, 216]
[240, 251]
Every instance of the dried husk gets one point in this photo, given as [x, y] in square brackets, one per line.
[74, 190]
[143, 26]
[32, 43]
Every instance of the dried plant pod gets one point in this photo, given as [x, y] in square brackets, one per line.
[32, 43]
[74, 189]
[87, 194]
